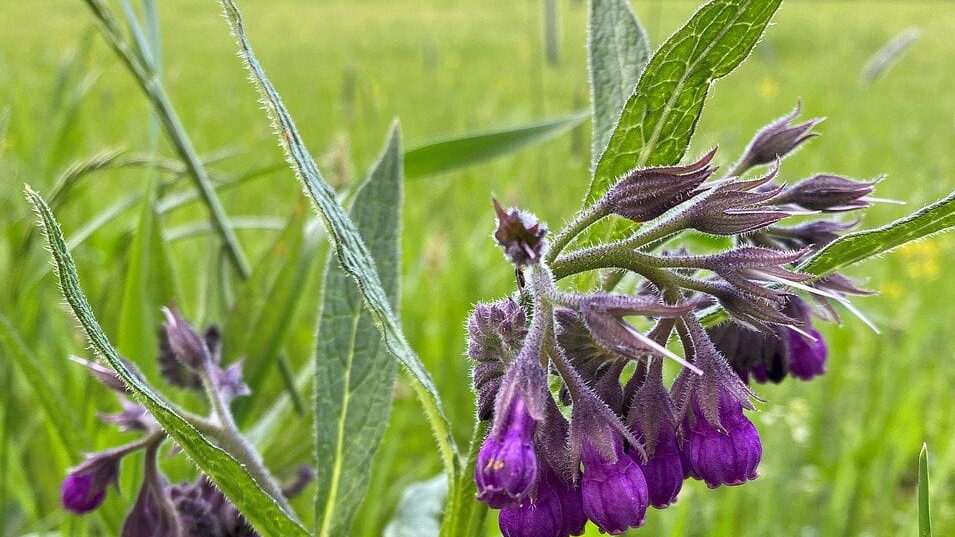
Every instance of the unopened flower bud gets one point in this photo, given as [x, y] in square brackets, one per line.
[153, 514]
[520, 234]
[645, 194]
[829, 193]
[776, 140]
[495, 334]
[186, 345]
[84, 489]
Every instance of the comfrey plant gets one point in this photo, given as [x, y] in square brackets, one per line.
[190, 361]
[575, 420]
[614, 439]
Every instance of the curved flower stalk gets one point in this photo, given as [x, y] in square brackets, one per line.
[189, 361]
[549, 351]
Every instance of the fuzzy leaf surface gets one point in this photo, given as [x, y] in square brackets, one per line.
[659, 118]
[619, 51]
[860, 245]
[352, 253]
[354, 376]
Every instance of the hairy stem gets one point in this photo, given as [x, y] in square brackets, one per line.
[232, 441]
[583, 220]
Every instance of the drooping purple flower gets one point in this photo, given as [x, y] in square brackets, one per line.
[807, 358]
[153, 514]
[537, 515]
[760, 355]
[84, 488]
[652, 418]
[614, 491]
[506, 466]
[828, 193]
[643, 195]
[726, 453]
[663, 471]
[520, 234]
[776, 140]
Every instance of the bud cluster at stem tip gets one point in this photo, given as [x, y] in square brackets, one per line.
[597, 356]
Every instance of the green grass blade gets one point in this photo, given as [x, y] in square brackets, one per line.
[355, 377]
[659, 118]
[51, 402]
[352, 252]
[450, 154]
[861, 245]
[260, 509]
[136, 336]
[618, 51]
[925, 515]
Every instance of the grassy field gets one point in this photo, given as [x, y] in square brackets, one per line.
[840, 451]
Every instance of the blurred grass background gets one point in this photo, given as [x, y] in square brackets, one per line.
[840, 452]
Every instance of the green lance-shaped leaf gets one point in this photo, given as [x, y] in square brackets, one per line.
[618, 53]
[354, 376]
[351, 250]
[860, 245]
[450, 154]
[925, 515]
[260, 509]
[659, 118]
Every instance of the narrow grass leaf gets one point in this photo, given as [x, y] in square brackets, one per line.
[619, 51]
[354, 376]
[925, 514]
[660, 116]
[51, 402]
[260, 509]
[861, 245]
[450, 154]
[351, 250]
[136, 336]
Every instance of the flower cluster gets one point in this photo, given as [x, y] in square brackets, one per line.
[582, 425]
[190, 509]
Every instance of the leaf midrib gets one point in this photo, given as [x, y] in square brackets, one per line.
[644, 154]
[340, 440]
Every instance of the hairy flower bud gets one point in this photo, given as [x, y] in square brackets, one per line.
[614, 490]
[132, 418]
[495, 334]
[520, 235]
[506, 466]
[84, 489]
[186, 344]
[653, 420]
[229, 381]
[734, 208]
[829, 193]
[106, 376]
[645, 194]
[776, 140]
[726, 453]
[205, 512]
[814, 234]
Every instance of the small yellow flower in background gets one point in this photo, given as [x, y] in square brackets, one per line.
[893, 290]
[922, 259]
[768, 87]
